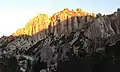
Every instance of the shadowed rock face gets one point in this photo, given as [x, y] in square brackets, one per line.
[70, 41]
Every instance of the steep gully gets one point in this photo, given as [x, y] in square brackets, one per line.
[76, 44]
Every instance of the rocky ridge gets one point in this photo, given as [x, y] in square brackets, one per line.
[60, 23]
[64, 43]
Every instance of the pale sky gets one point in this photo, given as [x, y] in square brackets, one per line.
[14, 14]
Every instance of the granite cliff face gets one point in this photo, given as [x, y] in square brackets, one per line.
[68, 41]
[35, 25]
[64, 22]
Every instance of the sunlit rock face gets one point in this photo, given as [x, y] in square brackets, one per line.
[68, 41]
[62, 22]
[35, 25]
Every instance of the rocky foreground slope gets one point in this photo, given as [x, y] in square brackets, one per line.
[69, 41]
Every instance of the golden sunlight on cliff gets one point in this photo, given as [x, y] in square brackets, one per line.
[43, 21]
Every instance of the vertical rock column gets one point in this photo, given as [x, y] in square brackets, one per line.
[76, 23]
[62, 23]
[52, 25]
[65, 24]
[58, 26]
[82, 22]
[118, 19]
[49, 28]
[37, 25]
[69, 24]
[72, 23]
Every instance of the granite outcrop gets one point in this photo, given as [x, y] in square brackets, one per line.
[69, 41]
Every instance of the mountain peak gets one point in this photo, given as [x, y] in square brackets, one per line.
[42, 21]
[68, 41]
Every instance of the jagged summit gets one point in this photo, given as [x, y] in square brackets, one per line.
[65, 42]
[42, 21]
[34, 25]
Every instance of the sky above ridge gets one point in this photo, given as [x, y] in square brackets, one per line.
[14, 14]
